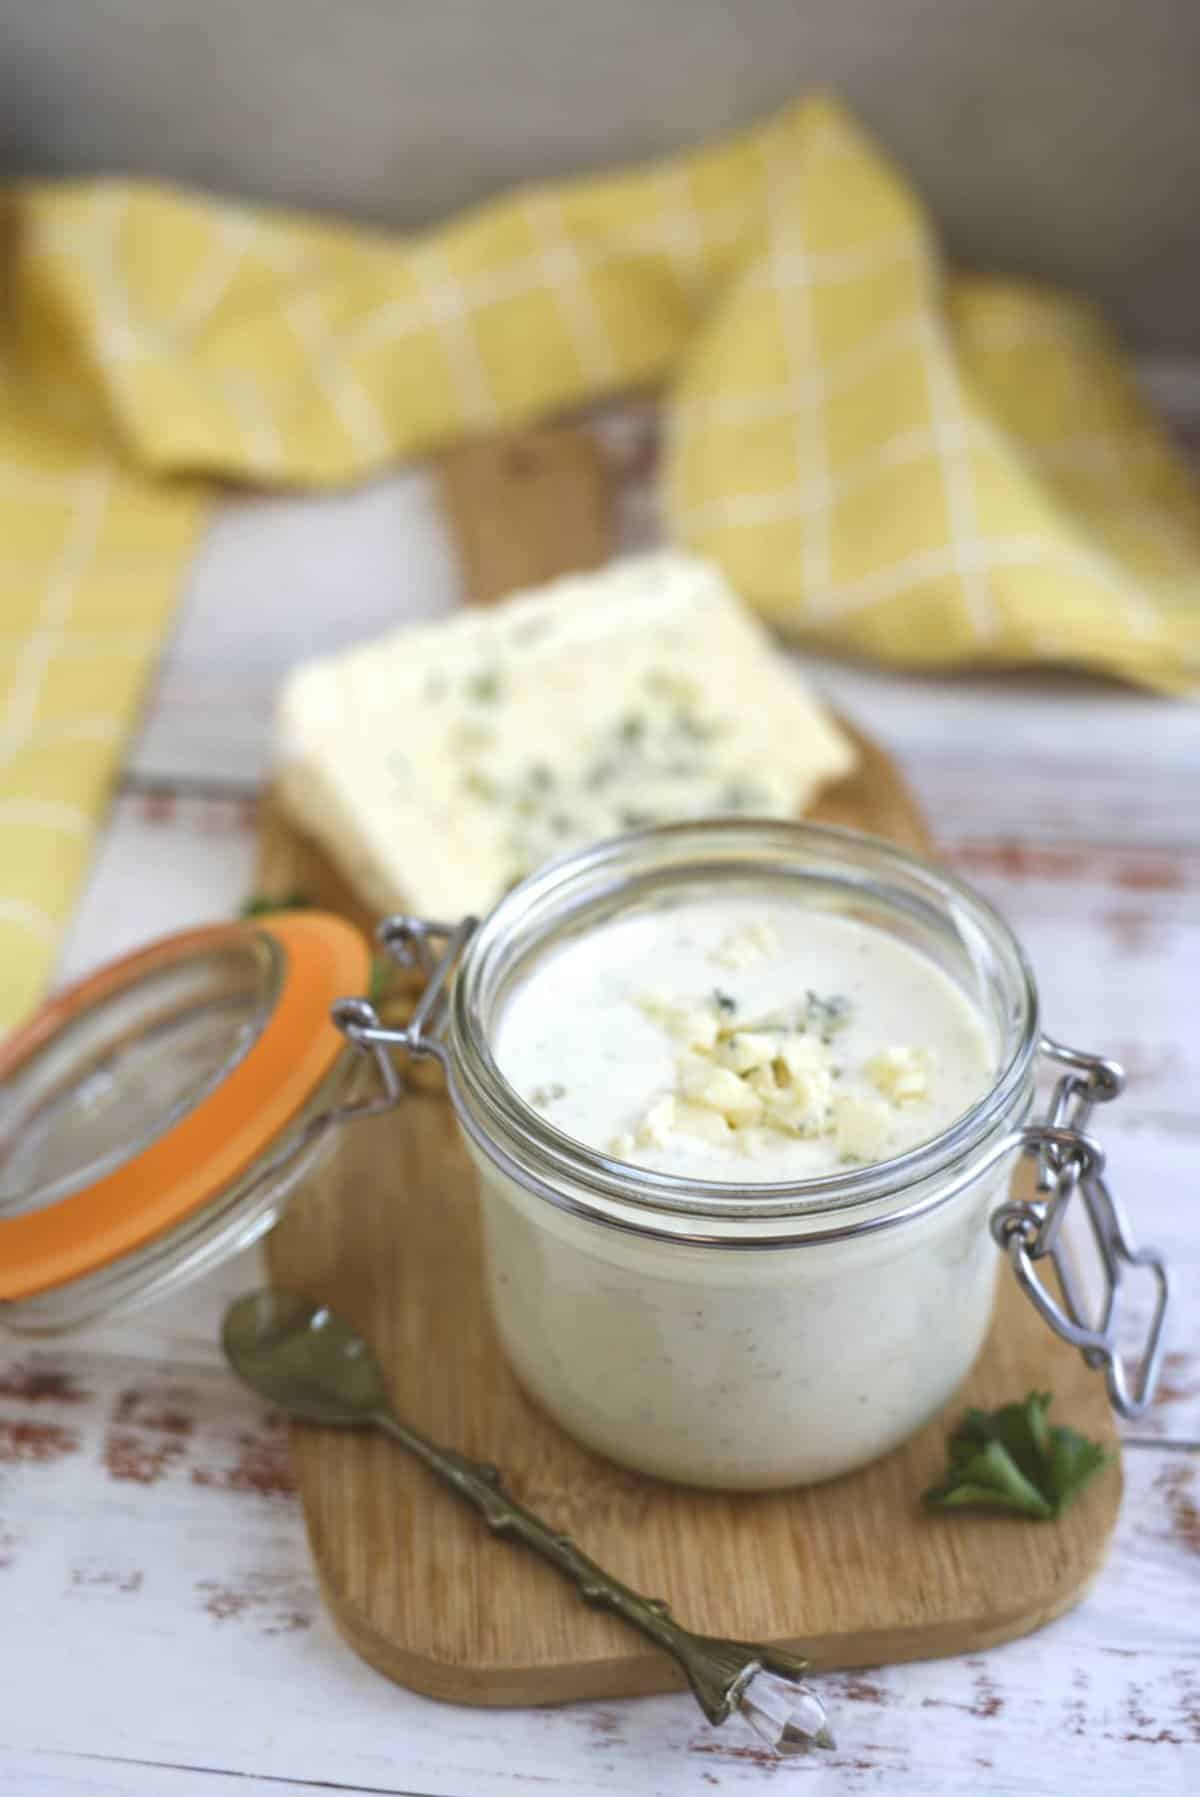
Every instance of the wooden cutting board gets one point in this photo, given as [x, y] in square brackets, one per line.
[854, 1571]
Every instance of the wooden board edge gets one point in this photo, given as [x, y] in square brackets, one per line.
[650, 1674]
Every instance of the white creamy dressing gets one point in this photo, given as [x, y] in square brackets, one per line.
[709, 1364]
[583, 1038]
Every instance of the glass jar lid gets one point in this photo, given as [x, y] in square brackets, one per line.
[138, 1096]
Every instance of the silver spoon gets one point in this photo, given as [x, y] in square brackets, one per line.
[306, 1360]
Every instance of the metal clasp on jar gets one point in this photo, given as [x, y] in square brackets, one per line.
[1070, 1162]
[433, 949]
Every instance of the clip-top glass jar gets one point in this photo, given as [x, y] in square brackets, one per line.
[739, 1335]
[155, 1116]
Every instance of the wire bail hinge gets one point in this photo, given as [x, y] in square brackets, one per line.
[1071, 1163]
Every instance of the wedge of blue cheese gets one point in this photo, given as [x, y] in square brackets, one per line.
[444, 762]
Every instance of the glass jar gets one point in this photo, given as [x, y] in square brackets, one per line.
[751, 1336]
[758, 1335]
[156, 1116]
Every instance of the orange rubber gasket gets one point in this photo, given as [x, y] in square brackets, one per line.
[324, 958]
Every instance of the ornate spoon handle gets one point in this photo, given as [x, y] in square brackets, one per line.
[763, 1682]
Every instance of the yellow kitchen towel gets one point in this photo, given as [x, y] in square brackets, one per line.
[930, 470]
[90, 560]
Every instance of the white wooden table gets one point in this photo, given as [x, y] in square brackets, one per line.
[161, 1634]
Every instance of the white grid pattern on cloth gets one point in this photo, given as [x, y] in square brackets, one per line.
[93, 488]
[1141, 615]
[1099, 455]
[679, 232]
[447, 310]
[122, 340]
[235, 232]
[757, 404]
[986, 552]
[124, 337]
[816, 560]
[404, 317]
[303, 315]
[684, 236]
[116, 338]
[520, 276]
[562, 272]
[776, 504]
[834, 268]
[760, 404]
[958, 487]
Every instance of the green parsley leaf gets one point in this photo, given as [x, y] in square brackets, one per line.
[259, 904]
[1073, 1460]
[1015, 1459]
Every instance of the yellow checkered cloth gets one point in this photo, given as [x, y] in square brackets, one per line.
[932, 471]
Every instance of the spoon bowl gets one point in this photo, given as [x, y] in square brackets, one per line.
[304, 1359]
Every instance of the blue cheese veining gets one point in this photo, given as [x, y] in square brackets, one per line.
[443, 763]
[743, 1039]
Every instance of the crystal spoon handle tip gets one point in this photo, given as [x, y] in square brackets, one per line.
[764, 1684]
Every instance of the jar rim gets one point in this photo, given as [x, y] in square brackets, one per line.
[584, 1179]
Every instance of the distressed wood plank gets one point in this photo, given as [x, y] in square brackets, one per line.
[1114, 938]
[181, 1479]
[50, 1773]
[1153, 1171]
[167, 860]
[1059, 796]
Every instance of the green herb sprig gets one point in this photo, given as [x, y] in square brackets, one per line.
[261, 904]
[1014, 1459]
